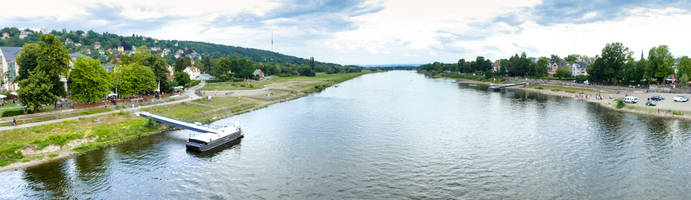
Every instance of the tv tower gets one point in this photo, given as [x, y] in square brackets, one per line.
[272, 41]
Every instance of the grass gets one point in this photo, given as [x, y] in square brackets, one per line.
[260, 84]
[103, 130]
[561, 88]
[94, 111]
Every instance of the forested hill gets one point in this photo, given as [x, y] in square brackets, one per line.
[106, 46]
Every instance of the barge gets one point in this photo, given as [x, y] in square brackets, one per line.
[207, 141]
[208, 138]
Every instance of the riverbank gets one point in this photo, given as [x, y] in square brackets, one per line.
[672, 110]
[25, 147]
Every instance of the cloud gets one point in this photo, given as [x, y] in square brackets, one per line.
[578, 12]
[379, 31]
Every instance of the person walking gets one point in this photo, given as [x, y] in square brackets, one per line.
[14, 121]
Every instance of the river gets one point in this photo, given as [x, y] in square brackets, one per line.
[393, 135]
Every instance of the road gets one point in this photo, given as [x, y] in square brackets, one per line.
[189, 93]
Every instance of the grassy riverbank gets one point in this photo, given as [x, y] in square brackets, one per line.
[34, 145]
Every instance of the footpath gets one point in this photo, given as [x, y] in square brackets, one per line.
[190, 93]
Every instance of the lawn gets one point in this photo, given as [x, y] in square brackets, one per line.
[260, 84]
[103, 130]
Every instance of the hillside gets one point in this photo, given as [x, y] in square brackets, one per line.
[106, 46]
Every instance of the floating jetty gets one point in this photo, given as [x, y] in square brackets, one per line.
[208, 138]
[496, 88]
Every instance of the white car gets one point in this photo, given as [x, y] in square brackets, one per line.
[631, 99]
[681, 99]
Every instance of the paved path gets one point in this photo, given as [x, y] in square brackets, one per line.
[189, 92]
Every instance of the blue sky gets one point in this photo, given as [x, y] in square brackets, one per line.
[379, 31]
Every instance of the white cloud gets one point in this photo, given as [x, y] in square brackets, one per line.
[404, 31]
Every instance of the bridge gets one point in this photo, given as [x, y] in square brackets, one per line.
[178, 123]
[499, 87]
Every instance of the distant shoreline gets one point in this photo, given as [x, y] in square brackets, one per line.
[607, 103]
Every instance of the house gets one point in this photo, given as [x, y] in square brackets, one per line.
[495, 66]
[193, 72]
[205, 77]
[109, 67]
[24, 33]
[9, 66]
[579, 69]
[97, 45]
[69, 41]
[74, 55]
[5, 35]
[121, 49]
[259, 73]
[171, 75]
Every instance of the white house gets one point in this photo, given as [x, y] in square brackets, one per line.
[579, 69]
[193, 72]
[9, 66]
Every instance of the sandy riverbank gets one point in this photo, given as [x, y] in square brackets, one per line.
[664, 108]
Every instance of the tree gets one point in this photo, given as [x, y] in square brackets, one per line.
[243, 67]
[133, 79]
[36, 90]
[608, 67]
[27, 60]
[221, 68]
[182, 79]
[554, 58]
[206, 65]
[660, 62]
[684, 80]
[573, 58]
[563, 72]
[305, 70]
[541, 67]
[54, 60]
[684, 66]
[88, 80]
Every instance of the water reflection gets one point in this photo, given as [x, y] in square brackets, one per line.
[50, 179]
[234, 145]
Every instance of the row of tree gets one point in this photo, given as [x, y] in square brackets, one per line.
[615, 65]
[44, 64]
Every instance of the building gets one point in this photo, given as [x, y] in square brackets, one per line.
[5, 35]
[97, 45]
[9, 66]
[171, 74]
[193, 72]
[259, 73]
[579, 69]
[109, 67]
[24, 33]
[495, 66]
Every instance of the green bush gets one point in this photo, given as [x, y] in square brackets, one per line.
[620, 103]
[12, 112]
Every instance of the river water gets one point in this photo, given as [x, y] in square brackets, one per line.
[393, 135]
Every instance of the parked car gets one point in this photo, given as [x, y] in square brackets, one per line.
[650, 103]
[681, 99]
[657, 98]
[631, 99]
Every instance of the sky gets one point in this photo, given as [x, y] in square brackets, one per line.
[370, 32]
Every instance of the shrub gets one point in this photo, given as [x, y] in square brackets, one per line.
[151, 123]
[10, 113]
[620, 103]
